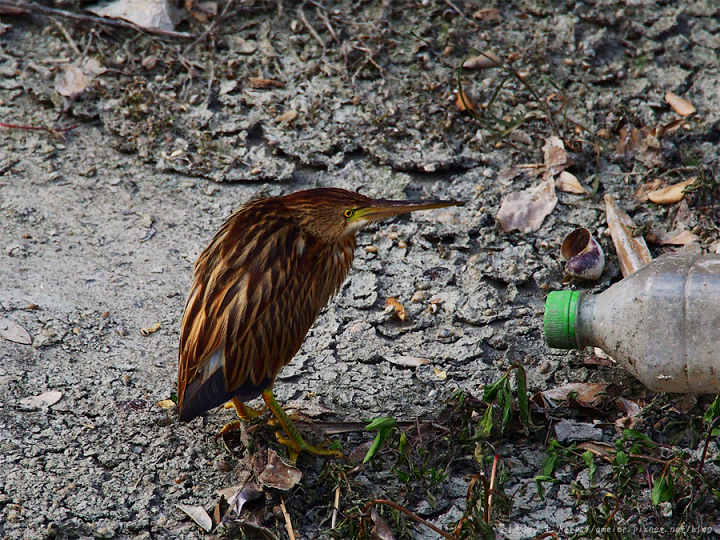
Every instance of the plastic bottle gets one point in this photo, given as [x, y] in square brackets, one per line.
[661, 322]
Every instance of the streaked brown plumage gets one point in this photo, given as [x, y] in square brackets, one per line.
[259, 286]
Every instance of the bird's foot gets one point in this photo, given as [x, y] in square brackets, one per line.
[227, 428]
[297, 445]
[244, 412]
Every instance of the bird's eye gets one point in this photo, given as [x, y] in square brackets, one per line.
[349, 213]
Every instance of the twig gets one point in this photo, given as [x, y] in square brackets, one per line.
[48, 11]
[707, 442]
[307, 24]
[459, 12]
[409, 514]
[493, 474]
[336, 508]
[68, 37]
[288, 523]
[57, 132]
[209, 28]
[323, 16]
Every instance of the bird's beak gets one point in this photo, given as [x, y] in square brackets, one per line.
[380, 209]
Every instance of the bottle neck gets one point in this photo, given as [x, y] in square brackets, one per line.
[584, 319]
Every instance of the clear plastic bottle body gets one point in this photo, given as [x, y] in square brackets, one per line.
[662, 323]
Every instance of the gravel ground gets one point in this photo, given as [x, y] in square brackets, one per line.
[100, 228]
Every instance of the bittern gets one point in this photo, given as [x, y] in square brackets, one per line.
[257, 289]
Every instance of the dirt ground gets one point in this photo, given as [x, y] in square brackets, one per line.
[102, 223]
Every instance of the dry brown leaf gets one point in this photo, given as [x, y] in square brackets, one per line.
[237, 496]
[629, 140]
[670, 194]
[166, 404]
[288, 117]
[588, 394]
[682, 238]
[632, 251]
[464, 103]
[278, 474]
[628, 406]
[641, 193]
[393, 306]
[43, 400]
[526, 210]
[71, 82]
[150, 330]
[12, 331]
[198, 515]
[483, 61]
[148, 14]
[486, 14]
[569, 183]
[556, 158]
[93, 67]
[602, 450]
[381, 530]
[257, 82]
[440, 374]
[680, 105]
[407, 361]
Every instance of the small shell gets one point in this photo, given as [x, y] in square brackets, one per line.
[583, 255]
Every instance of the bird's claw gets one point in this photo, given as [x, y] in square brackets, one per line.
[295, 447]
[227, 428]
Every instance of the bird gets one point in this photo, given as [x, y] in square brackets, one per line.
[257, 289]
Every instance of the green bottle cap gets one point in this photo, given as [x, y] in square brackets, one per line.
[560, 313]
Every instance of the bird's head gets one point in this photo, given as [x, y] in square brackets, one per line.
[332, 213]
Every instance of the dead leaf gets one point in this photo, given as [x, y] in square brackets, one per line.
[198, 515]
[629, 140]
[46, 399]
[93, 67]
[148, 14]
[671, 194]
[257, 82]
[556, 158]
[166, 404]
[71, 82]
[628, 406]
[603, 450]
[440, 374]
[288, 117]
[278, 474]
[526, 210]
[483, 61]
[682, 238]
[238, 496]
[381, 530]
[151, 330]
[12, 331]
[392, 305]
[569, 183]
[407, 361]
[590, 395]
[641, 193]
[632, 251]
[464, 103]
[681, 106]
[487, 14]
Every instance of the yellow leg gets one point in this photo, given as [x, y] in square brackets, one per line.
[244, 412]
[294, 441]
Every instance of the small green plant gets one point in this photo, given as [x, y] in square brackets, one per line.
[499, 397]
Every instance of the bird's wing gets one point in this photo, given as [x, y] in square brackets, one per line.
[248, 311]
